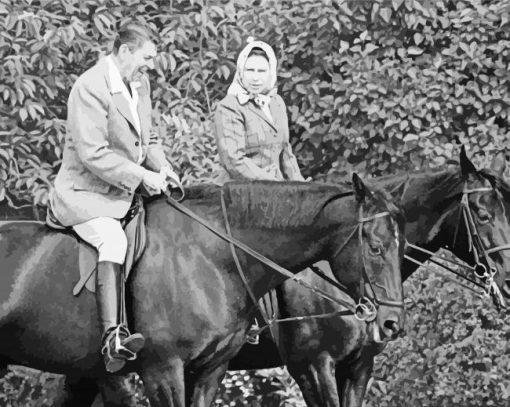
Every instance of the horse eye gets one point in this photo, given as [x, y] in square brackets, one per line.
[483, 216]
[376, 250]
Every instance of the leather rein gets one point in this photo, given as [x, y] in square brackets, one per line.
[482, 269]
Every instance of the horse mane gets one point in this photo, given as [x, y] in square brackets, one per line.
[442, 184]
[270, 204]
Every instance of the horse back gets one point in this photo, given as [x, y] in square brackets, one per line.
[26, 246]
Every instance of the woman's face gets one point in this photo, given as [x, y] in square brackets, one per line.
[256, 74]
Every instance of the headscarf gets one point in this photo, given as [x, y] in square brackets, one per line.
[237, 86]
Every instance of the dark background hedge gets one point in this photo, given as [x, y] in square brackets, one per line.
[375, 86]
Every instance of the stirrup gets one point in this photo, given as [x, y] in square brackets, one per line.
[130, 344]
[113, 363]
[253, 335]
[120, 346]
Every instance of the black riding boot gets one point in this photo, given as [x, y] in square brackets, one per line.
[118, 345]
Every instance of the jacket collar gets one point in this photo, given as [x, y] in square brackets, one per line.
[258, 111]
[120, 93]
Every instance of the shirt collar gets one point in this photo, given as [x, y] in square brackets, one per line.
[116, 82]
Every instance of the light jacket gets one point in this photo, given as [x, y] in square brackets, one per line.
[100, 166]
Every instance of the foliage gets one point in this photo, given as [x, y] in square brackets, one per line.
[375, 86]
[455, 352]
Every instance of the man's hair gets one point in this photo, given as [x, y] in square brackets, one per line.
[133, 35]
[256, 51]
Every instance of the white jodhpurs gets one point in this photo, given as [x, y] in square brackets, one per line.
[107, 236]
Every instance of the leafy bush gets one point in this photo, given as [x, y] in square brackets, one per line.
[375, 86]
[455, 352]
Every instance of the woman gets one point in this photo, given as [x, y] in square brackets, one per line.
[251, 124]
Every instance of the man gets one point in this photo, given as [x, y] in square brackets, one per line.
[109, 151]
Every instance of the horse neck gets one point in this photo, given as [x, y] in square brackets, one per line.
[427, 210]
[293, 249]
[298, 247]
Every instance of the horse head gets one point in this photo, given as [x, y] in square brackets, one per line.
[499, 167]
[375, 280]
[483, 228]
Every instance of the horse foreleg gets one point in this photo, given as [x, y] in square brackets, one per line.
[164, 383]
[355, 386]
[77, 391]
[316, 381]
[118, 391]
[205, 387]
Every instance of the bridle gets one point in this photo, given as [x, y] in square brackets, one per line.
[368, 304]
[483, 269]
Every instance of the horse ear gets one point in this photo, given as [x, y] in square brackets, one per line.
[498, 164]
[466, 165]
[360, 191]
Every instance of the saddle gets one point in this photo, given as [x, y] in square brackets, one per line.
[134, 227]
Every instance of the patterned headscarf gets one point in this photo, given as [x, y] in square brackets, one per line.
[237, 86]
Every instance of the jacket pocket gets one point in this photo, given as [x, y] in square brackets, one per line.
[90, 183]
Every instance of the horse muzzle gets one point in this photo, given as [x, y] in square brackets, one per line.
[385, 330]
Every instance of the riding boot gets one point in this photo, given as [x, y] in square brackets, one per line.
[118, 345]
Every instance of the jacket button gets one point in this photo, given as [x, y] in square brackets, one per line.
[137, 143]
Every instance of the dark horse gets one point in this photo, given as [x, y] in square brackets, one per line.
[186, 295]
[332, 359]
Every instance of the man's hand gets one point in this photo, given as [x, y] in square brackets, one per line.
[154, 182]
[170, 176]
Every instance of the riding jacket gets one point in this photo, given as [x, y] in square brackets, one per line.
[250, 144]
[105, 149]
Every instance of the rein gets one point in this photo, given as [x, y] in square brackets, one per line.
[482, 271]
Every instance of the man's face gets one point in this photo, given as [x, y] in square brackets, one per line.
[140, 60]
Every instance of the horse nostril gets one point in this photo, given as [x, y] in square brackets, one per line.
[392, 326]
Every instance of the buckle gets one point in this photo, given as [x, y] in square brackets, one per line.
[365, 310]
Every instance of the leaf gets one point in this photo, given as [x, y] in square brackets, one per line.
[225, 71]
[344, 45]
[369, 48]
[418, 38]
[23, 114]
[396, 4]
[414, 51]
[385, 14]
